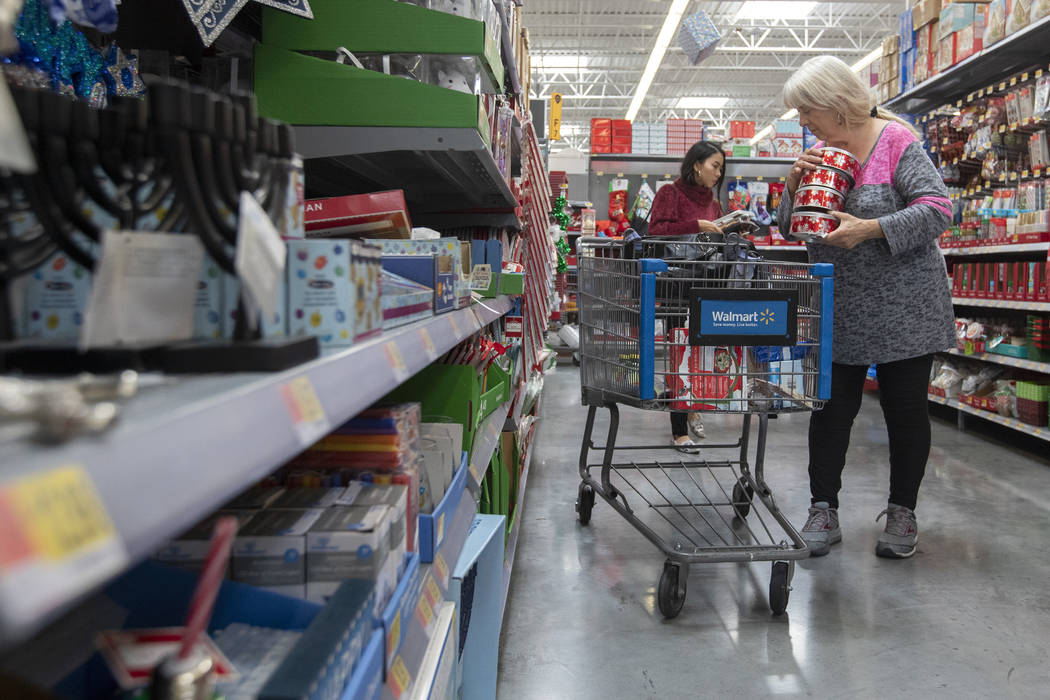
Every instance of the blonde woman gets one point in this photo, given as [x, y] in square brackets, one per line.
[893, 305]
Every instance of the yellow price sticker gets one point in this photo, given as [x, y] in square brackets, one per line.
[424, 612]
[428, 344]
[53, 516]
[1013, 176]
[396, 362]
[1002, 85]
[400, 679]
[1002, 128]
[1024, 77]
[1039, 73]
[393, 635]
[1013, 126]
[302, 400]
[980, 93]
[944, 141]
[969, 98]
[1002, 178]
[455, 326]
[441, 528]
[1013, 81]
[1037, 172]
[442, 568]
[432, 591]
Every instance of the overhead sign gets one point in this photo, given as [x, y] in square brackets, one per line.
[555, 132]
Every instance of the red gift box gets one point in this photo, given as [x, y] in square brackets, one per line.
[374, 215]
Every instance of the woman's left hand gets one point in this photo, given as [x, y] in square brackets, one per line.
[852, 231]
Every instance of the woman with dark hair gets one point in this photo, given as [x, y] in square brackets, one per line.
[685, 208]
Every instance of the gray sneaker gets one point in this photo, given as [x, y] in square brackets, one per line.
[696, 426]
[901, 535]
[821, 529]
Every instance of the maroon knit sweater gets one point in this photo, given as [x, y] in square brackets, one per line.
[677, 208]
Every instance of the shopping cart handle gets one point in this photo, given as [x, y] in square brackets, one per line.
[653, 265]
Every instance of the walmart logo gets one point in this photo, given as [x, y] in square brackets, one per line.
[767, 317]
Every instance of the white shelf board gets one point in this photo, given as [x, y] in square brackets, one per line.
[183, 449]
[1005, 360]
[1040, 432]
[996, 249]
[486, 440]
[1002, 304]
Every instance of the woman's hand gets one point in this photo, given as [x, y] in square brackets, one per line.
[808, 161]
[852, 231]
[708, 226]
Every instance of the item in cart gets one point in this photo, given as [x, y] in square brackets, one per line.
[842, 160]
[817, 198]
[706, 378]
[808, 226]
[828, 177]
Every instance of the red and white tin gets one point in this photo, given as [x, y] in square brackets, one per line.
[828, 177]
[810, 224]
[842, 160]
[819, 198]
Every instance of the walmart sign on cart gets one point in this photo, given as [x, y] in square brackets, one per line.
[742, 317]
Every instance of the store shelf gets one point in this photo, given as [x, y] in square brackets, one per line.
[183, 449]
[1015, 53]
[1040, 432]
[628, 157]
[998, 249]
[445, 172]
[998, 359]
[509, 64]
[512, 540]
[486, 440]
[1001, 304]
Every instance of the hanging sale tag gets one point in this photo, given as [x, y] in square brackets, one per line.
[556, 103]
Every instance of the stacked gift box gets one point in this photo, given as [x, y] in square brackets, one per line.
[640, 137]
[741, 130]
[682, 134]
[621, 136]
[601, 135]
[787, 138]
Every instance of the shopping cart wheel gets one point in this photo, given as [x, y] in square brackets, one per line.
[742, 493]
[584, 503]
[779, 588]
[670, 594]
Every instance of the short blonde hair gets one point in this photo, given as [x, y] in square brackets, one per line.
[825, 82]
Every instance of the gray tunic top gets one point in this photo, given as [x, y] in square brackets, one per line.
[892, 298]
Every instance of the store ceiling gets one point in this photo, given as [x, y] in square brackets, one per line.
[595, 51]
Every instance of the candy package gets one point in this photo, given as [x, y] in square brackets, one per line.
[759, 192]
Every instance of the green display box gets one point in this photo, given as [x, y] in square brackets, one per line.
[512, 283]
[304, 90]
[383, 26]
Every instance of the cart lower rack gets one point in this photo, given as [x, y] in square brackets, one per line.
[711, 328]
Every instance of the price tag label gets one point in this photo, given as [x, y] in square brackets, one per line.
[400, 679]
[442, 570]
[1002, 85]
[476, 473]
[1039, 73]
[431, 590]
[393, 635]
[1013, 177]
[944, 141]
[969, 98]
[455, 326]
[1013, 126]
[424, 612]
[1024, 77]
[980, 93]
[396, 362]
[441, 529]
[308, 417]
[1013, 81]
[428, 344]
[1037, 172]
[1002, 178]
[56, 539]
[1024, 173]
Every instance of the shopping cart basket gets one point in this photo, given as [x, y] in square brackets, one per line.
[704, 326]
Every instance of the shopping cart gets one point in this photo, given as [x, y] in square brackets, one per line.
[737, 335]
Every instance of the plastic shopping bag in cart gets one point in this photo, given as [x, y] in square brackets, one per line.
[706, 377]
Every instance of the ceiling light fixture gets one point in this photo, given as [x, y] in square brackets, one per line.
[701, 102]
[656, 57]
[768, 9]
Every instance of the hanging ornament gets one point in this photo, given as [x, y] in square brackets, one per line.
[62, 52]
[122, 72]
[559, 214]
[100, 14]
[211, 17]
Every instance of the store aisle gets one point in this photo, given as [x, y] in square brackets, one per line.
[968, 616]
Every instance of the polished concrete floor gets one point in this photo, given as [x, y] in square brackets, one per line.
[967, 617]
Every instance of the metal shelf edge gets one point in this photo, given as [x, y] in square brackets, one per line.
[1003, 304]
[512, 541]
[1006, 360]
[490, 431]
[185, 443]
[1034, 431]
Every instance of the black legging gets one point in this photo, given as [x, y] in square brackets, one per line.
[902, 394]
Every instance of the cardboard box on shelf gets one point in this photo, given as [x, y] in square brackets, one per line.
[890, 45]
[375, 215]
[270, 550]
[906, 31]
[321, 297]
[925, 12]
[954, 17]
[350, 542]
[946, 56]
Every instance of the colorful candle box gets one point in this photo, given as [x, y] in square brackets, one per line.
[56, 296]
[208, 306]
[438, 246]
[366, 268]
[321, 296]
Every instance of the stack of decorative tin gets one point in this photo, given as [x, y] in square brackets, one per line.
[822, 191]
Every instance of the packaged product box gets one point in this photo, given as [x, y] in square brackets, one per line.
[601, 135]
[375, 215]
[208, 305]
[366, 265]
[56, 296]
[954, 17]
[270, 550]
[968, 41]
[350, 542]
[395, 496]
[321, 297]
[255, 498]
[1000, 280]
[981, 281]
[308, 497]
[890, 45]
[190, 550]
[925, 12]
[906, 31]
[787, 128]
[1036, 283]
[698, 36]
[946, 53]
[716, 375]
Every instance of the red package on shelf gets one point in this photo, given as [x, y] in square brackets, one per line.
[374, 215]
